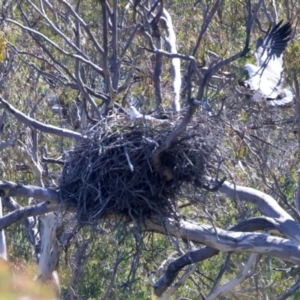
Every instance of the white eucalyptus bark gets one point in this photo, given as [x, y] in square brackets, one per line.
[3, 249]
[30, 224]
[268, 206]
[34, 165]
[199, 255]
[218, 239]
[175, 62]
[50, 249]
[170, 40]
[157, 71]
[234, 282]
[228, 241]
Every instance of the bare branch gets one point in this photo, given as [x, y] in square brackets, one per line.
[180, 282]
[237, 280]
[117, 261]
[275, 13]
[115, 65]
[82, 57]
[78, 75]
[266, 12]
[194, 256]
[55, 29]
[267, 205]
[175, 63]
[10, 203]
[106, 69]
[221, 272]
[79, 258]
[228, 241]
[34, 165]
[158, 57]
[30, 224]
[214, 68]
[52, 161]
[38, 125]
[192, 59]
[48, 261]
[3, 250]
[264, 202]
[207, 18]
[26, 211]
[83, 24]
[171, 137]
[11, 189]
[129, 41]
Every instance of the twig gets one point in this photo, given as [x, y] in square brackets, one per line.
[221, 272]
[82, 57]
[172, 136]
[128, 160]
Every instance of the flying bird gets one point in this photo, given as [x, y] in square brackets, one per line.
[266, 78]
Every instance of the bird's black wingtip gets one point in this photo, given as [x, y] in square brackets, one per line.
[283, 31]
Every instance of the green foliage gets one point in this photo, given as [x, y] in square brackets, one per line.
[2, 46]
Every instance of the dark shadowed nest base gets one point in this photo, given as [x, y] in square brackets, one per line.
[111, 171]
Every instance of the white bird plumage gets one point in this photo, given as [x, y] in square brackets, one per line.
[135, 115]
[266, 79]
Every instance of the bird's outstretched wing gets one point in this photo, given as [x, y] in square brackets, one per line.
[266, 79]
[269, 49]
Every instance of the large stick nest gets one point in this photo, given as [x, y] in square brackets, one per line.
[111, 171]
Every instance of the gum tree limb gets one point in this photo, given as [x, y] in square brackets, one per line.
[38, 125]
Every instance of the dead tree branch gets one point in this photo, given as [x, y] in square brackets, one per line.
[27, 211]
[158, 57]
[195, 256]
[3, 249]
[38, 125]
[173, 136]
[234, 282]
[11, 189]
[215, 67]
[228, 241]
[50, 249]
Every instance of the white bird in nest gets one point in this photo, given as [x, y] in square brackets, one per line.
[135, 114]
[266, 79]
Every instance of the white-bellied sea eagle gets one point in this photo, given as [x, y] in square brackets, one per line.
[266, 78]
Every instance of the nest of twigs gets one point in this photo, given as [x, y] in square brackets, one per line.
[111, 172]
